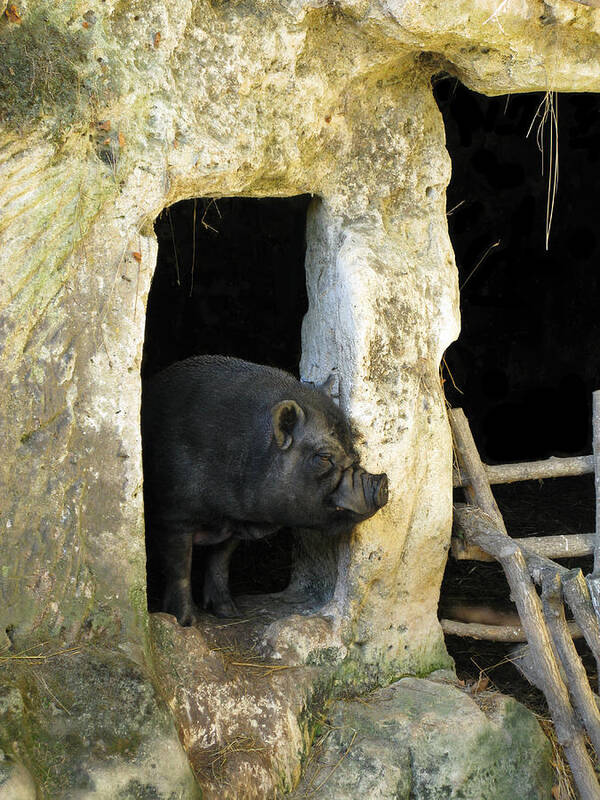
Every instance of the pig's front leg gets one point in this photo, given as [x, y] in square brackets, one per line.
[216, 594]
[177, 568]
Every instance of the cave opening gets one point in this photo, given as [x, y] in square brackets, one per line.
[229, 280]
[525, 364]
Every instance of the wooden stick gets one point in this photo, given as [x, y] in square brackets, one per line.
[463, 521]
[478, 630]
[461, 550]
[487, 530]
[576, 593]
[593, 580]
[574, 587]
[477, 489]
[596, 451]
[533, 470]
[520, 657]
[571, 545]
[494, 633]
[577, 681]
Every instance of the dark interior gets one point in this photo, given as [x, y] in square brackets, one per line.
[230, 280]
[526, 363]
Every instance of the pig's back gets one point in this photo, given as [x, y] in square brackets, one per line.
[214, 385]
[202, 419]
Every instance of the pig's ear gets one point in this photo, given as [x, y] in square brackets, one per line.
[286, 415]
[331, 386]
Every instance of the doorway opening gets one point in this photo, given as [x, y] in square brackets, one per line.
[525, 365]
[230, 281]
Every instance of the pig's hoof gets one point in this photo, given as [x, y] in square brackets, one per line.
[224, 608]
[227, 610]
[186, 615]
[178, 602]
[190, 617]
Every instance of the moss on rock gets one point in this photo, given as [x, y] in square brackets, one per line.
[429, 740]
[89, 723]
[47, 75]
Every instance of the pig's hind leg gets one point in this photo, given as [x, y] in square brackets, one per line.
[177, 566]
[216, 596]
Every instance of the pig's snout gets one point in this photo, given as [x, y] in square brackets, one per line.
[376, 489]
[380, 490]
[361, 492]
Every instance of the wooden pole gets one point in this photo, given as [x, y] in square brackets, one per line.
[593, 580]
[483, 531]
[477, 488]
[572, 545]
[596, 451]
[577, 595]
[485, 528]
[494, 633]
[533, 470]
[575, 589]
[577, 681]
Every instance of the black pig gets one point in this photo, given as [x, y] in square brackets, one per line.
[232, 451]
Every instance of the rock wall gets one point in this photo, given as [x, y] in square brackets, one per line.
[111, 111]
[382, 323]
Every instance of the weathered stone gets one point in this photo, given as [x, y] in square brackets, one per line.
[15, 781]
[334, 101]
[240, 719]
[499, 47]
[429, 740]
[384, 347]
[295, 639]
[87, 725]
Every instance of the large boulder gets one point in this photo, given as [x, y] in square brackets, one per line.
[421, 739]
[86, 725]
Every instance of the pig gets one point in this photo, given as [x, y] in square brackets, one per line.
[234, 450]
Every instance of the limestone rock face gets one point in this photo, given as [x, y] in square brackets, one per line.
[242, 721]
[498, 47]
[429, 740]
[111, 111]
[89, 726]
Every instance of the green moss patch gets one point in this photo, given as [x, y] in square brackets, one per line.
[81, 717]
[47, 72]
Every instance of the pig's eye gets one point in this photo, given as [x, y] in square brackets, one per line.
[324, 458]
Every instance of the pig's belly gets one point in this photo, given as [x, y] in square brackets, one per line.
[208, 535]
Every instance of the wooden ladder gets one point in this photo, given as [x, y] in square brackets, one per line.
[550, 660]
